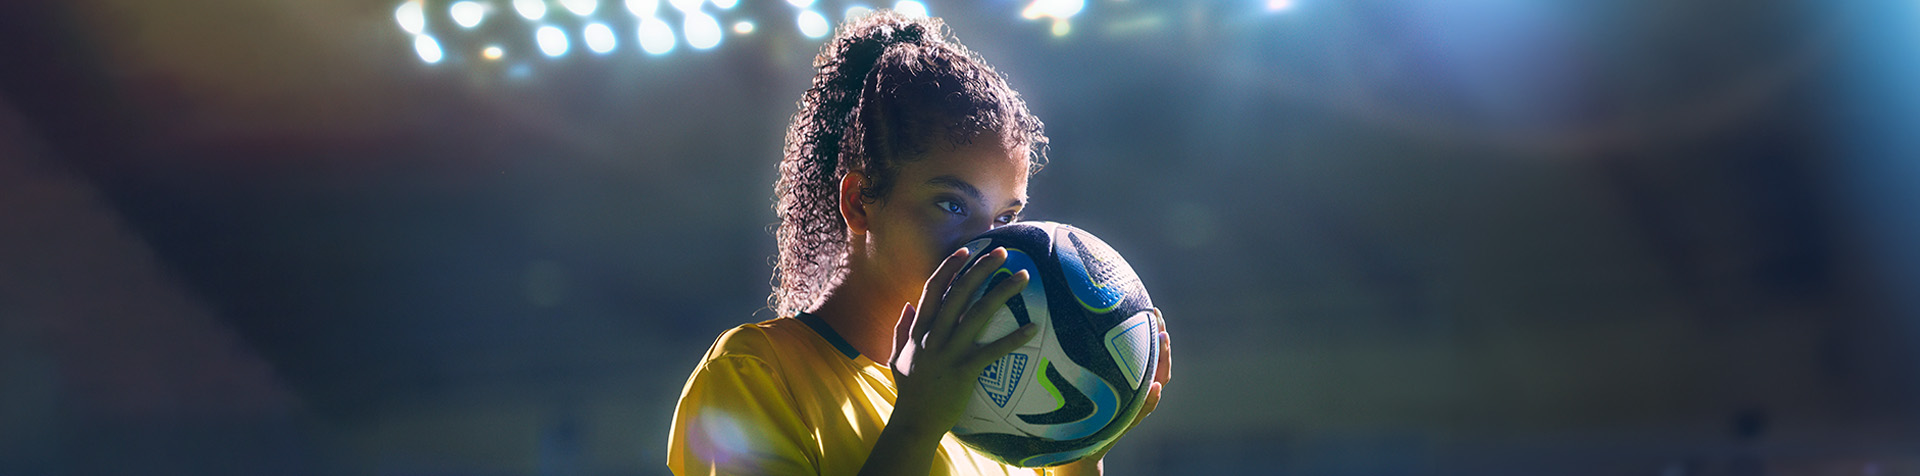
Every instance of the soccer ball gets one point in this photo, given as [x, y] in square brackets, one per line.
[1075, 386]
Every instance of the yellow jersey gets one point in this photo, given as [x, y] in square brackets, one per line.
[788, 396]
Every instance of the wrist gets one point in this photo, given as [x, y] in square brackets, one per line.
[909, 424]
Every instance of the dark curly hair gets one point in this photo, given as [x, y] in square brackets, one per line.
[888, 87]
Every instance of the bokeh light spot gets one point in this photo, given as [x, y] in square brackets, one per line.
[412, 17]
[428, 48]
[689, 6]
[643, 8]
[744, 28]
[910, 8]
[467, 13]
[599, 38]
[581, 7]
[1057, 9]
[813, 25]
[530, 9]
[552, 41]
[655, 36]
[702, 31]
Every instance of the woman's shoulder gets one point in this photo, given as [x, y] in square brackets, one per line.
[760, 340]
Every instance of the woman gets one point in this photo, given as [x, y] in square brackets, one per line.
[905, 146]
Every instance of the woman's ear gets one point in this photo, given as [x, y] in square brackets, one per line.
[853, 207]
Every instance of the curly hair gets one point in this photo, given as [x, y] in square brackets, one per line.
[887, 87]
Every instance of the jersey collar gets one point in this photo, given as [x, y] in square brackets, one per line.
[826, 332]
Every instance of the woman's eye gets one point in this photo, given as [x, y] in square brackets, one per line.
[1006, 219]
[951, 207]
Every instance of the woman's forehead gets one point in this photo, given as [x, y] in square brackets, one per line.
[987, 167]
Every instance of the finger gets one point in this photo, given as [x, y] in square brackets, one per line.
[963, 287]
[1000, 347]
[935, 288]
[1163, 372]
[1153, 402]
[902, 329]
[978, 316]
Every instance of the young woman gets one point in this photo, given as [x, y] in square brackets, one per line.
[906, 145]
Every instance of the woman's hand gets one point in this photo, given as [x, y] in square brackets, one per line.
[1162, 373]
[936, 360]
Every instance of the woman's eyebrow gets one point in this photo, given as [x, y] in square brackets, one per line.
[957, 183]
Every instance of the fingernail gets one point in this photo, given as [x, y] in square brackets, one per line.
[960, 252]
[1022, 274]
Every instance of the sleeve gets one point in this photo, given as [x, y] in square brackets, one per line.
[735, 417]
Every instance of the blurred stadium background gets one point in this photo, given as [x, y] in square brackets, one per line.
[1392, 237]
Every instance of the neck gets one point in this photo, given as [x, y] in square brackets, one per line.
[864, 314]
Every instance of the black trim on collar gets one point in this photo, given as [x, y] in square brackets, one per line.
[825, 331]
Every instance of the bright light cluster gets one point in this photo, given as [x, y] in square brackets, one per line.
[700, 25]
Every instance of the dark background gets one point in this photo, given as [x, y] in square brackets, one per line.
[1645, 237]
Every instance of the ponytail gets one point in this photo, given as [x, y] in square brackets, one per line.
[872, 76]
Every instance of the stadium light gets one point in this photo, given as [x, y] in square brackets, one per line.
[493, 52]
[599, 38]
[702, 31]
[643, 8]
[1056, 9]
[581, 7]
[725, 4]
[813, 25]
[428, 49]
[467, 13]
[801, 3]
[744, 28]
[656, 37]
[412, 17]
[552, 41]
[530, 9]
[689, 6]
[910, 8]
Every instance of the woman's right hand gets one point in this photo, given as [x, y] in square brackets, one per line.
[936, 359]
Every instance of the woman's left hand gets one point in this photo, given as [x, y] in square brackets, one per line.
[1162, 373]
